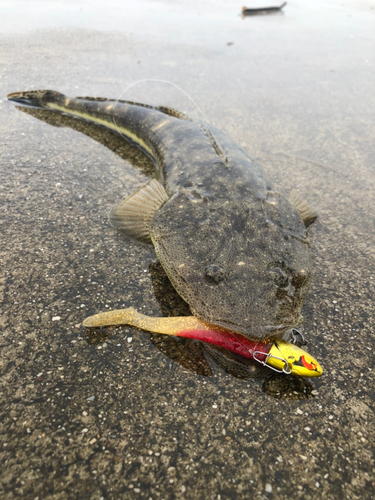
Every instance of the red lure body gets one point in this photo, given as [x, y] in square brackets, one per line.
[231, 341]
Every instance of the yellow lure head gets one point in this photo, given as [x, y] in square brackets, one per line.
[291, 359]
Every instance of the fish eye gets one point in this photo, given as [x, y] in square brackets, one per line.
[214, 274]
[300, 279]
[279, 276]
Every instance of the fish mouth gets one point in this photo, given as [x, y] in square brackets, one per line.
[279, 330]
[256, 333]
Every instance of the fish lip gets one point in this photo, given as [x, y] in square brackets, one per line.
[283, 327]
[279, 330]
[264, 331]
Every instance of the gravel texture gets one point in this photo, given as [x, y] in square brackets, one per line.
[124, 414]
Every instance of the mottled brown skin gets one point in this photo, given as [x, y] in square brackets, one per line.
[235, 250]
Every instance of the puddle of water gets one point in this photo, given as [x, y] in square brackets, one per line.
[126, 411]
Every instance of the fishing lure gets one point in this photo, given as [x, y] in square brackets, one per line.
[277, 354]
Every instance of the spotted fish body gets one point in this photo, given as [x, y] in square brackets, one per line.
[234, 249]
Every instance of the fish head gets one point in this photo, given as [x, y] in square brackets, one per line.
[241, 265]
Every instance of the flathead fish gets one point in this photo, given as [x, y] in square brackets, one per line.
[235, 249]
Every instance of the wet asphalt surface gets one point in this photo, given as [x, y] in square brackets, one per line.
[120, 413]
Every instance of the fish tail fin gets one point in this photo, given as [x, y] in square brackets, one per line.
[36, 98]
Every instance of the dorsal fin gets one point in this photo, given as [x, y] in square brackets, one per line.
[163, 109]
[308, 214]
[173, 112]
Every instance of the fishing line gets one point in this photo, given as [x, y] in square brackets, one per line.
[158, 81]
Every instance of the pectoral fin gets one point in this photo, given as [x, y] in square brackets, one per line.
[308, 214]
[133, 216]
